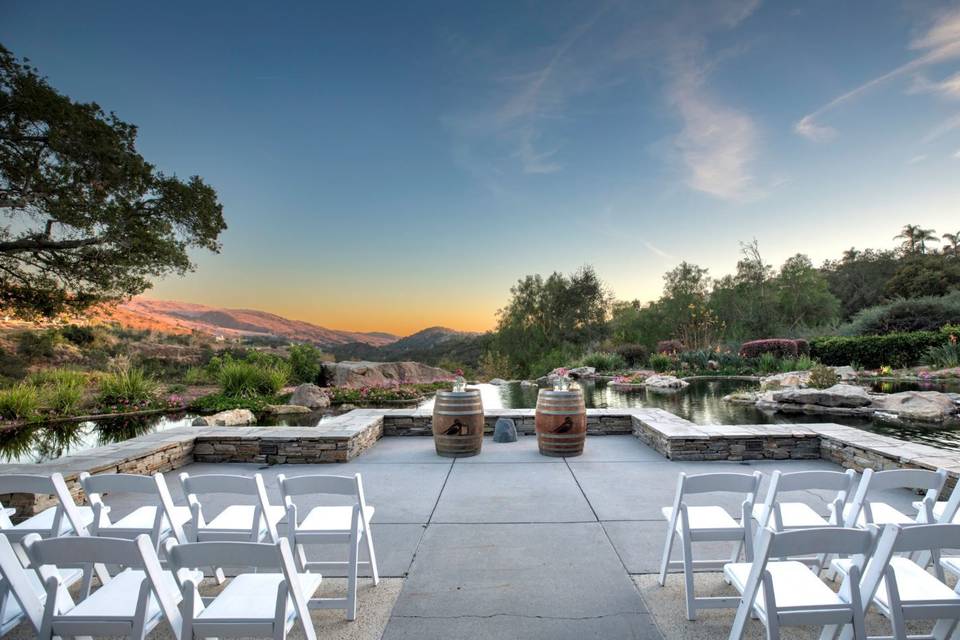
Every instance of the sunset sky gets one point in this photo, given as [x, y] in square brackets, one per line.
[397, 165]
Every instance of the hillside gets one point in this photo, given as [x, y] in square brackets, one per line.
[182, 317]
[429, 345]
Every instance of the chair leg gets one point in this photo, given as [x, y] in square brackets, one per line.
[372, 556]
[943, 629]
[352, 576]
[667, 550]
[688, 578]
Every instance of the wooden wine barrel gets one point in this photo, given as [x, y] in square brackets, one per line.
[458, 423]
[561, 422]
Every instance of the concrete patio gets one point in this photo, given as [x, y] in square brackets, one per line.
[511, 544]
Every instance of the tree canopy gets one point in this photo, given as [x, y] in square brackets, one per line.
[86, 218]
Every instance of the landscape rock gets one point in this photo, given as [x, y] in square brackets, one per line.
[498, 381]
[657, 381]
[788, 379]
[839, 395]
[231, 418]
[845, 373]
[285, 409]
[922, 406]
[505, 430]
[528, 383]
[581, 372]
[356, 374]
[310, 396]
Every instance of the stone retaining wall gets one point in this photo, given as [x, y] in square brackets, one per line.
[413, 422]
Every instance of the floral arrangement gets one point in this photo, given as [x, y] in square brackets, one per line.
[562, 381]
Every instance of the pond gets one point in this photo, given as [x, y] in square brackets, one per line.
[701, 403]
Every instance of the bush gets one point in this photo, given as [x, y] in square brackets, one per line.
[128, 386]
[768, 363]
[822, 377]
[661, 362]
[872, 352]
[670, 347]
[80, 336]
[698, 360]
[602, 361]
[241, 379]
[944, 356]
[926, 313]
[19, 402]
[632, 353]
[61, 390]
[38, 344]
[777, 347]
[197, 376]
[305, 363]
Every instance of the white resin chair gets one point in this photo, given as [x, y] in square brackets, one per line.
[944, 511]
[903, 590]
[159, 521]
[785, 593]
[862, 511]
[331, 524]
[780, 515]
[265, 603]
[65, 518]
[130, 603]
[21, 593]
[236, 522]
[690, 524]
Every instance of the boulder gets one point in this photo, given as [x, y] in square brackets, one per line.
[581, 372]
[922, 406]
[285, 409]
[845, 373]
[839, 395]
[310, 396]
[528, 383]
[505, 430]
[231, 418]
[657, 381]
[372, 374]
[497, 382]
[788, 379]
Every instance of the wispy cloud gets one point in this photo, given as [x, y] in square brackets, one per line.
[948, 87]
[657, 250]
[940, 43]
[917, 159]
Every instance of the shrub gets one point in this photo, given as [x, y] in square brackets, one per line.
[602, 361]
[768, 363]
[241, 379]
[926, 313]
[893, 349]
[670, 347]
[800, 363]
[60, 389]
[127, 386]
[216, 402]
[698, 360]
[197, 376]
[632, 353]
[304, 363]
[19, 402]
[803, 346]
[661, 362]
[778, 347]
[944, 356]
[38, 344]
[822, 377]
[80, 336]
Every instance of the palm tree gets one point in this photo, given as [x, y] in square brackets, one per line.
[953, 244]
[915, 238]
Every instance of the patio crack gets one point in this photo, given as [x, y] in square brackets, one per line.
[520, 615]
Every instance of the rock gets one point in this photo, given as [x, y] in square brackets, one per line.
[347, 407]
[789, 379]
[742, 397]
[285, 409]
[839, 395]
[923, 406]
[713, 365]
[310, 396]
[581, 372]
[528, 383]
[845, 373]
[498, 381]
[231, 418]
[371, 374]
[505, 430]
[657, 381]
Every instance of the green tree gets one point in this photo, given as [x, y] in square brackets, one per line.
[915, 238]
[923, 275]
[953, 244]
[859, 278]
[87, 218]
[803, 295]
[305, 363]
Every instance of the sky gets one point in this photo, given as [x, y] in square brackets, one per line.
[397, 165]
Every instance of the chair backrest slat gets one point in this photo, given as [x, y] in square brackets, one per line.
[907, 479]
[218, 483]
[318, 484]
[202, 555]
[118, 483]
[831, 540]
[840, 481]
[76, 551]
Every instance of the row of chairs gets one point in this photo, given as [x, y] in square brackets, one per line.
[247, 518]
[838, 539]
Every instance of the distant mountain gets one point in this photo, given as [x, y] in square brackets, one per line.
[429, 345]
[184, 317]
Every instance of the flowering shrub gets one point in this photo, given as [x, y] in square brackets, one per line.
[778, 347]
[669, 347]
[386, 393]
[633, 378]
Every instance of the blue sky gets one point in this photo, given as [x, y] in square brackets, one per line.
[397, 165]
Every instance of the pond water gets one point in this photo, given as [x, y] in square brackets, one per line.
[701, 403]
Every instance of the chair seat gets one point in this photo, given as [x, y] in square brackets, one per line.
[704, 518]
[794, 515]
[913, 582]
[951, 564]
[332, 519]
[251, 597]
[883, 513]
[794, 585]
[118, 598]
[239, 517]
[13, 613]
[43, 521]
[142, 519]
[938, 509]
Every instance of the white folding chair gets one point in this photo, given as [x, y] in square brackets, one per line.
[331, 524]
[65, 518]
[707, 524]
[159, 521]
[21, 593]
[235, 522]
[785, 593]
[130, 603]
[862, 511]
[903, 590]
[944, 511]
[780, 515]
[261, 604]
